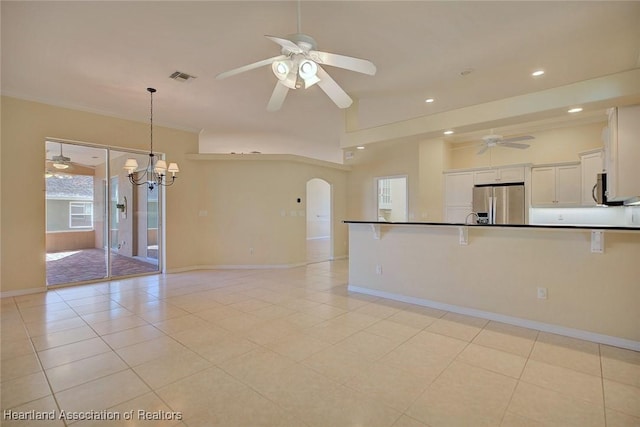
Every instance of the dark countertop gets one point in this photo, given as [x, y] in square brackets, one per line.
[449, 224]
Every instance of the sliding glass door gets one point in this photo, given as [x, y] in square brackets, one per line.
[134, 226]
[99, 225]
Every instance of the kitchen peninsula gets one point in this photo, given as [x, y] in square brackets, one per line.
[577, 281]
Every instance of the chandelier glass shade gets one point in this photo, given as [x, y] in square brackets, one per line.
[155, 173]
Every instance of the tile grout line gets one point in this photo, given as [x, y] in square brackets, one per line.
[604, 400]
[53, 394]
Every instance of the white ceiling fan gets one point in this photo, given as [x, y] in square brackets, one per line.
[494, 140]
[61, 165]
[60, 162]
[300, 65]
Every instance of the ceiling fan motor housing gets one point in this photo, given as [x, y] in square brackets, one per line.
[304, 41]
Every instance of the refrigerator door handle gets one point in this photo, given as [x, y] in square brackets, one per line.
[494, 203]
[490, 199]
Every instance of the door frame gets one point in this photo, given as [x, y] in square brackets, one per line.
[107, 207]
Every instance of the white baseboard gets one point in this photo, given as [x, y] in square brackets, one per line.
[234, 267]
[8, 294]
[319, 238]
[517, 321]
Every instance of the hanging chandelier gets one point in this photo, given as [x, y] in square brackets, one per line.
[155, 174]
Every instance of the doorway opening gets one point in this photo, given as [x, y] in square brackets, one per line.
[96, 221]
[392, 200]
[319, 224]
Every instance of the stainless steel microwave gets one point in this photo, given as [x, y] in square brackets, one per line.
[599, 192]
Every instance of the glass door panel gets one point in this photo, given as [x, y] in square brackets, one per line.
[75, 213]
[134, 213]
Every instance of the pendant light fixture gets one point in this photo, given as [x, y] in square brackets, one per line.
[155, 174]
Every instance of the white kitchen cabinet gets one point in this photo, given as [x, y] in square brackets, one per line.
[622, 152]
[556, 185]
[458, 214]
[590, 165]
[458, 194]
[458, 188]
[499, 175]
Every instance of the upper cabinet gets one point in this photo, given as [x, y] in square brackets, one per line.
[499, 175]
[591, 165]
[557, 185]
[458, 194]
[622, 152]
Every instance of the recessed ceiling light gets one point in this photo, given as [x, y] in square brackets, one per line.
[360, 147]
[575, 110]
[537, 73]
[429, 100]
[448, 132]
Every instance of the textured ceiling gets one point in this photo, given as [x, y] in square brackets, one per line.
[101, 56]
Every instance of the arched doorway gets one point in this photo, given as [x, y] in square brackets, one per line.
[319, 224]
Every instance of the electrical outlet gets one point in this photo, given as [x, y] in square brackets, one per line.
[542, 293]
[378, 269]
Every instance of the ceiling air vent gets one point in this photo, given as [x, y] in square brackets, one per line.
[181, 77]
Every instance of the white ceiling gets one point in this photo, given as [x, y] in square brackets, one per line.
[101, 57]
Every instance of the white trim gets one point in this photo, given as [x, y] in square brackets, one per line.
[517, 321]
[319, 238]
[8, 294]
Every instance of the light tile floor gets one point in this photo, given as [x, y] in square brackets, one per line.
[294, 348]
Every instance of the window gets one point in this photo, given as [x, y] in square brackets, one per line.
[80, 214]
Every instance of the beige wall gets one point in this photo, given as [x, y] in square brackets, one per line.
[552, 146]
[500, 270]
[250, 214]
[25, 126]
[369, 164]
[243, 201]
[434, 159]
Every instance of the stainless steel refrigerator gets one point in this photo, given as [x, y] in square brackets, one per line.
[499, 204]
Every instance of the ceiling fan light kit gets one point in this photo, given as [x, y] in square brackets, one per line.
[61, 162]
[299, 66]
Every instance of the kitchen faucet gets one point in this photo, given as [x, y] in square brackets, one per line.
[466, 220]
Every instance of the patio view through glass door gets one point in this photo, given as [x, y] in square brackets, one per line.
[99, 226]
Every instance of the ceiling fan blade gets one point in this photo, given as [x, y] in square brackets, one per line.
[285, 43]
[249, 67]
[347, 62]
[333, 90]
[277, 97]
[483, 149]
[517, 138]
[514, 145]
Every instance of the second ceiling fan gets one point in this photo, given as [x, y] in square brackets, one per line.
[493, 140]
[299, 65]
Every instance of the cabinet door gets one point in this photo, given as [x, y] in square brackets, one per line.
[458, 188]
[591, 166]
[628, 152]
[511, 174]
[568, 179]
[489, 176]
[543, 186]
[457, 214]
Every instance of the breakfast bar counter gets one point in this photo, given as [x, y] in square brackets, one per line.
[577, 281]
